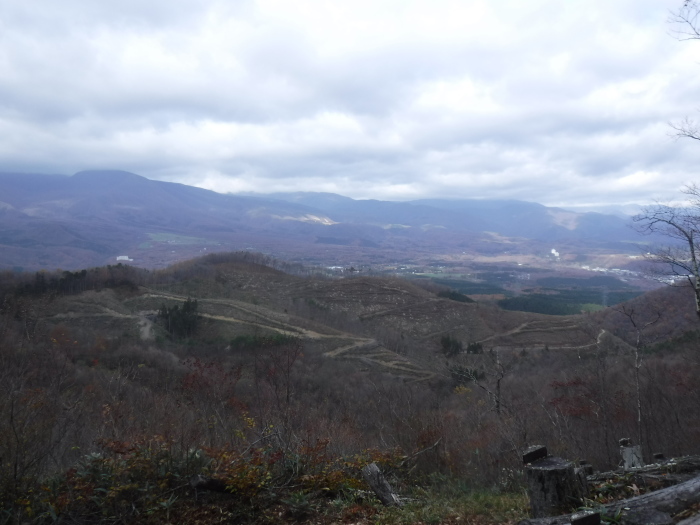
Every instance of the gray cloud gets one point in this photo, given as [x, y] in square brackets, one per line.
[563, 103]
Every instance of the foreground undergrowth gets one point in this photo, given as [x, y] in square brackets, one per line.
[149, 481]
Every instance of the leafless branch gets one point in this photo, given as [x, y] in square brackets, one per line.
[688, 18]
[682, 224]
[686, 128]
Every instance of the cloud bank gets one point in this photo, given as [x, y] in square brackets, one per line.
[562, 103]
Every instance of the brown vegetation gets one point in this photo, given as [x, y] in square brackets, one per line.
[294, 382]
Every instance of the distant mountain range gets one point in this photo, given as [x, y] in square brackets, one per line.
[509, 218]
[90, 218]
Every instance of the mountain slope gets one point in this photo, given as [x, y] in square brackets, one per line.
[94, 216]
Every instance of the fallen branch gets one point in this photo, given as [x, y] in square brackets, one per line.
[416, 454]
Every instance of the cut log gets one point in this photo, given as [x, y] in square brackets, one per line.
[662, 474]
[374, 478]
[554, 487]
[681, 465]
[652, 508]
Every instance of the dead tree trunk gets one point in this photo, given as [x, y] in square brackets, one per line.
[656, 508]
[374, 478]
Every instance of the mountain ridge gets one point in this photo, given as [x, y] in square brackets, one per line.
[121, 211]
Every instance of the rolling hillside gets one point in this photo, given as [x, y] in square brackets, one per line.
[389, 323]
[289, 382]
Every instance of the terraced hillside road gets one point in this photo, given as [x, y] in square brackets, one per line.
[364, 349]
[560, 333]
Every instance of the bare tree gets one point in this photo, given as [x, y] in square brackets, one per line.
[687, 18]
[639, 328]
[681, 224]
[687, 22]
[487, 371]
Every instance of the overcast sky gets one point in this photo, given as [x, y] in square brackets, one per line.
[561, 102]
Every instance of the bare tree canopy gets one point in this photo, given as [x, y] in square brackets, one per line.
[688, 20]
[681, 224]
[687, 27]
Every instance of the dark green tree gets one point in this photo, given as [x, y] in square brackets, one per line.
[180, 322]
[450, 346]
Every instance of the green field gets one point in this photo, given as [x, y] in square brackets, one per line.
[179, 239]
[550, 295]
[566, 302]
[471, 287]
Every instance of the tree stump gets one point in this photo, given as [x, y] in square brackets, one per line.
[653, 508]
[553, 486]
[374, 478]
[582, 479]
[631, 454]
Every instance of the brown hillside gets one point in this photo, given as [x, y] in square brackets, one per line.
[387, 322]
[289, 383]
[670, 310]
